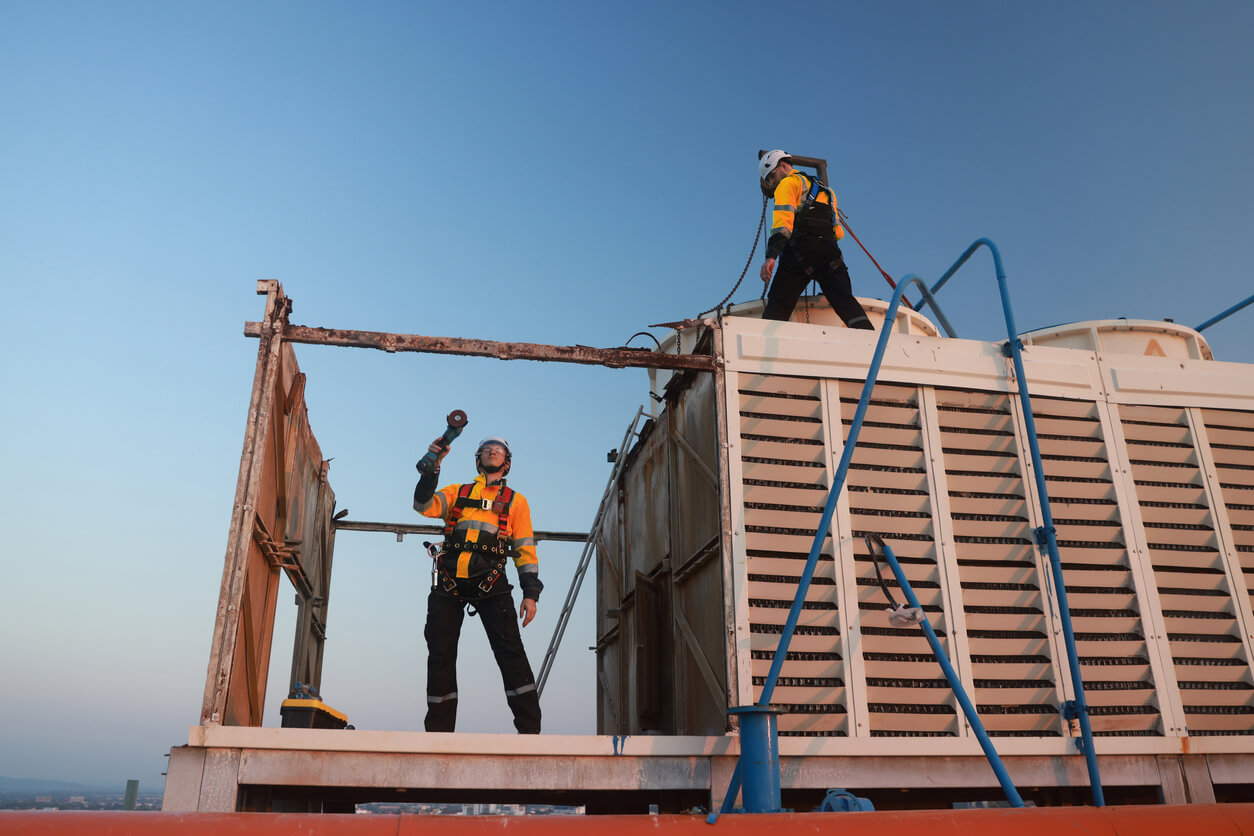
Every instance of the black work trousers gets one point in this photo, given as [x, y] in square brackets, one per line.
[805, 258]
[500, 621]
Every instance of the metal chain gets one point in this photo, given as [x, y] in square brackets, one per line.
[756, 238]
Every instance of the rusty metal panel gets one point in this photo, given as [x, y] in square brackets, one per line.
[700, 663]
[281, 523]
[646, 502]
[694, 452]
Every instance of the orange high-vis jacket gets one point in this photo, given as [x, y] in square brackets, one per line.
[789, 195]
[476, 523]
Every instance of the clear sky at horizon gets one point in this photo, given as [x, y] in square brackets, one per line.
[554, 172]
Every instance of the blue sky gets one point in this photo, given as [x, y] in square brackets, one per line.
[545, 172]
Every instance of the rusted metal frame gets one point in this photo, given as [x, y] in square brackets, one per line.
[315, 609]
[603, 553]
[616, 716]
[250, 648]
[696, 457]
[230, 596]
[401, 529]
[698, 558]
[615, 358]
[283, 556]
[674, 511]
[721, 410]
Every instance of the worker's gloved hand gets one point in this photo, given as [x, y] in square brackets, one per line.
[768, 270]
[527, 611]
[440, 449]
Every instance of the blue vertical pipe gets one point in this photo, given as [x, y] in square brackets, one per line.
[1047, 519]
[759, 758]
[994, 760]
[790, 625]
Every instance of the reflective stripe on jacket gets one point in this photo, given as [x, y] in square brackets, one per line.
[477, 524]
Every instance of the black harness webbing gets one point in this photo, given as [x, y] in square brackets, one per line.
[498, 547]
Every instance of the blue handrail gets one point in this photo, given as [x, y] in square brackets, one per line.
[1238, 306]
[1045, 534]
[955, 685]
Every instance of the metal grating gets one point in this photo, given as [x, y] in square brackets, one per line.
[889, 494]
[1199, 606]
[784, 461]
[1105, 612]
[1015, 688]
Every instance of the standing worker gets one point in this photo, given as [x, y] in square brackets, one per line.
[804, 232]
[485, 523]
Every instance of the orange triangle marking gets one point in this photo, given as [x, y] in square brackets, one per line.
[1154, 349]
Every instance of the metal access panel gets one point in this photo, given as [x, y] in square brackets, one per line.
[662, 614]
[1149, 463]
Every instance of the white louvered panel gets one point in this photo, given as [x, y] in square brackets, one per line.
[784, 467]
[763, 638]
[791, 543]
[761, 563]
[889, 495]
[872, 595]
[1231, 437]
[786, 494]
[821, 589]
[788, 453]
[768, 515]
[776, 426]
[802, 667]
[1106, 616]
[1197, 602]
[1015, 691]
[769, 471]
[988, 593]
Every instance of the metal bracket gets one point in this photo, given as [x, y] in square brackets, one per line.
[1041, 534]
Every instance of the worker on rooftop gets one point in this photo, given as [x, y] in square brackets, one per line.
[804, 232]
[485, 523]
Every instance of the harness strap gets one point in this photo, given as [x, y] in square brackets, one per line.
[499, 546]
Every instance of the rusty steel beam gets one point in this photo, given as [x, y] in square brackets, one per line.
[615, 358]
[438, 530]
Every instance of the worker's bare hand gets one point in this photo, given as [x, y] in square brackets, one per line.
[527, 611]
[439, 448]
[768, 269]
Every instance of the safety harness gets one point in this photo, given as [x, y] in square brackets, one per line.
[813, 218]
[498, 547]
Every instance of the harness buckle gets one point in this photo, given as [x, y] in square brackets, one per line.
[485, 504]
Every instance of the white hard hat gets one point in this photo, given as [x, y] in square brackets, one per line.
[492, 439]
[769, 160]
